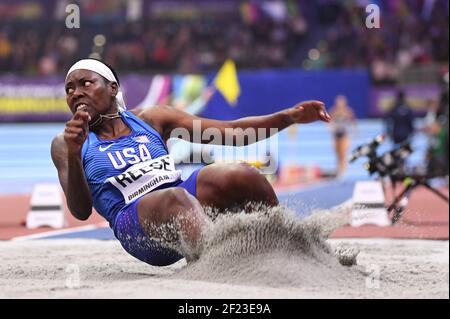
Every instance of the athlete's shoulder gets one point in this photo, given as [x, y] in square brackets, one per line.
[153, 112]
[58, 142]
[158, 117]
[58, 149]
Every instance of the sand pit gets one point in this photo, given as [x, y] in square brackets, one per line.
[245, 256]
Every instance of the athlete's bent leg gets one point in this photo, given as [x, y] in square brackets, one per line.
[173, 215]
[232, 186]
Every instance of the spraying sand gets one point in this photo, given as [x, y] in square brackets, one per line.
[257, 255]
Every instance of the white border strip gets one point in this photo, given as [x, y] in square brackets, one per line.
[60, 232]
[298, 189]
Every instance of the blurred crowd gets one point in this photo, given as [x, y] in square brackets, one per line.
[254, 35]
[262, 34]
[411, 32]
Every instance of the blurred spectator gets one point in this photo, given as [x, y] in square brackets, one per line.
[435, 155]
[47, 65]
[6, 49]
[399, 120]
[440, 152]
[342, 120]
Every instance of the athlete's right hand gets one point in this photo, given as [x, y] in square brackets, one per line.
[76, 131]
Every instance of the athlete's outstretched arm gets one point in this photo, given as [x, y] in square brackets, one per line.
[66, 155]
[167, 119]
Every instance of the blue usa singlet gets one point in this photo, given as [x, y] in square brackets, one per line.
[122, 170]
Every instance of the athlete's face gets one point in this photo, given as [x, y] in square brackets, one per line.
[89, 90]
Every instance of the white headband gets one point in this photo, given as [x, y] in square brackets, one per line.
[99, 68]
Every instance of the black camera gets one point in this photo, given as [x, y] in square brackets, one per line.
[368, 149]
[390, 163]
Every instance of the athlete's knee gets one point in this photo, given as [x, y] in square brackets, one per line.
[249, 182]
[243, 182]
[177, 197]
[243, 175]
[235, 184]
[169, 204]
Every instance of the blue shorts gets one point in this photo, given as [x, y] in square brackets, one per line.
[137, 243]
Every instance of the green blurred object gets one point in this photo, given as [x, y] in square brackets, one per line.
[192, 87]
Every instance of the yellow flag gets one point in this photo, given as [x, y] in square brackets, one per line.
[227, 82]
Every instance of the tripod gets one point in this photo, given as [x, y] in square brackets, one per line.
[388, 165]
[398, 205]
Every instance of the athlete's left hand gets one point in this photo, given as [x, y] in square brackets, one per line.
[309, 111]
